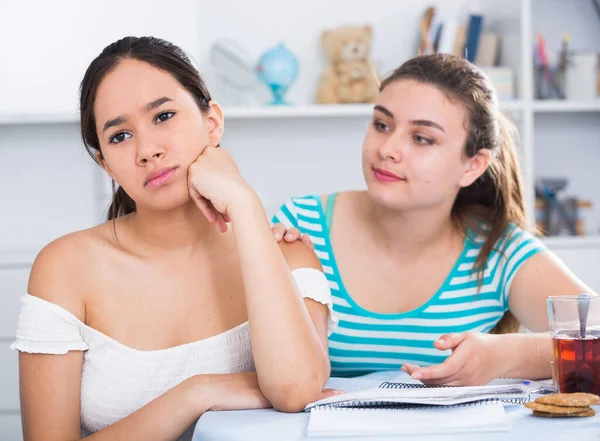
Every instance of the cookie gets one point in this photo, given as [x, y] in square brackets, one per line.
[578, 399]
[588, 412]
[559, 410]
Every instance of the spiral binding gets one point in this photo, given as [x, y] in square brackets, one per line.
[391, 385]
[375, 405]
[384, 405]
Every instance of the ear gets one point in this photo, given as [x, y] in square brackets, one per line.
[103, 164]
[368, 31]
[475, 167]
[216, 123]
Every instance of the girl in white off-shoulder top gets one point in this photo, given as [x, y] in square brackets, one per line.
[134, 328]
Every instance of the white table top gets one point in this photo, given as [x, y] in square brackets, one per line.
[269, 425]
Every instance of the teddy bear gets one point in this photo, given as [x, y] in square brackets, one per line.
[349, 76]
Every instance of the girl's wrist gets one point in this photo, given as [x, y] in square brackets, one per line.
[510, 351]
[245, 204]
[199, 395]
[502, 355]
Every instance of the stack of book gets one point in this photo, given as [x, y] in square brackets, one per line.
[468, 39]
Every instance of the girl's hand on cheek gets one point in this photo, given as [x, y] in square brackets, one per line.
[214, 183]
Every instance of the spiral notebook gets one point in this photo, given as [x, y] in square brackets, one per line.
[418, 394]
[412, 409]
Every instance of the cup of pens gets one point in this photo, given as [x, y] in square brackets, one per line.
[574, 323]
[549, 80]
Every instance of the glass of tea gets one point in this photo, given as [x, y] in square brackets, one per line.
[574, 322]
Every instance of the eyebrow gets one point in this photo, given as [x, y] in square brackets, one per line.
[114, 122]
[384, 111]
[427, 123]
[121, 119]
[416, 122]
[157, 103]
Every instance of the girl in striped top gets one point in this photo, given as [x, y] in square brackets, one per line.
[431, 269]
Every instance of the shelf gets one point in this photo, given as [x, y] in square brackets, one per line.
[304, 111]
[320, 110]
[17, 258]
[511, 105]
[39, 118]
[555, 106]
[234, 113]
[575, 242]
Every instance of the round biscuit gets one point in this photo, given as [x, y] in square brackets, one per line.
[577, 399]
[548, 408]
[586, 413]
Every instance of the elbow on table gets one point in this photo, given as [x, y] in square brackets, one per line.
[294, 395]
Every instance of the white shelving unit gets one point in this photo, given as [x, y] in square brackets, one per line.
[37, 118]
[573, 242]
[519, 20]
[562, 106]
[250, 112]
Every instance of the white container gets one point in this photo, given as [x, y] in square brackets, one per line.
[581, 77]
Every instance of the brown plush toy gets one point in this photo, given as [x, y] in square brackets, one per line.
[349, 76]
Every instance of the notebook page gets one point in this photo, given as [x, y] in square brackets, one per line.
[446, 396]
[357, 422]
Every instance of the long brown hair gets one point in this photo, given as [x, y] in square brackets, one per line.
[495, 199]
[154, 51]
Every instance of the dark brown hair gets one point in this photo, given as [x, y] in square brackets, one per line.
[495, 199]
[154, 51]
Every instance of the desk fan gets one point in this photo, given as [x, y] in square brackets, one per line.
[235, 71]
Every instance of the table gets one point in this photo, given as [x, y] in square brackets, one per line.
[269, 425]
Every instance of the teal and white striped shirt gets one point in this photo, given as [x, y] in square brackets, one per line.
[366, 341]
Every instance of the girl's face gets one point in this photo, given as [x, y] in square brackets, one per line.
[150, 130]
[413, 152]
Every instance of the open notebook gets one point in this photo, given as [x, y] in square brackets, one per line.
[409, 408]
[389, 393]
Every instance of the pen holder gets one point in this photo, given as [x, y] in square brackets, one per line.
[548, 82]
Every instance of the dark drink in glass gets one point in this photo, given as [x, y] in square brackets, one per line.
[577, 362]
[574, 323]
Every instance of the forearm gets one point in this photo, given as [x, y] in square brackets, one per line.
[524, 355]
[164, 418]
[289, 356]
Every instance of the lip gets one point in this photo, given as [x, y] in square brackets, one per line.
[386, 176]
[159, 177]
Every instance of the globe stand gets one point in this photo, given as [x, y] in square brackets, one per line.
[278, 94]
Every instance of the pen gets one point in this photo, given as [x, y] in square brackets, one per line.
[539, 388]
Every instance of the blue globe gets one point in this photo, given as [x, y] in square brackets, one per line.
[278, 68]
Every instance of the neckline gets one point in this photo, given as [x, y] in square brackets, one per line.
[384, 315]
[177, 348]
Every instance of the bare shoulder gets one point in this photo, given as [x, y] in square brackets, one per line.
[545, 272]
[352, 196]
[351, 201]
[61, 268]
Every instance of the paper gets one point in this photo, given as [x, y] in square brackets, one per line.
[360, 422]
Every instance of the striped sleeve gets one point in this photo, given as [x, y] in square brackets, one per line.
[520, 246]
[300, 212]
[287, 214]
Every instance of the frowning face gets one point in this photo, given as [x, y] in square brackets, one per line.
[150, 130]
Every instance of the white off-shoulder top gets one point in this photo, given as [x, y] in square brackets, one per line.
[118, 380]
